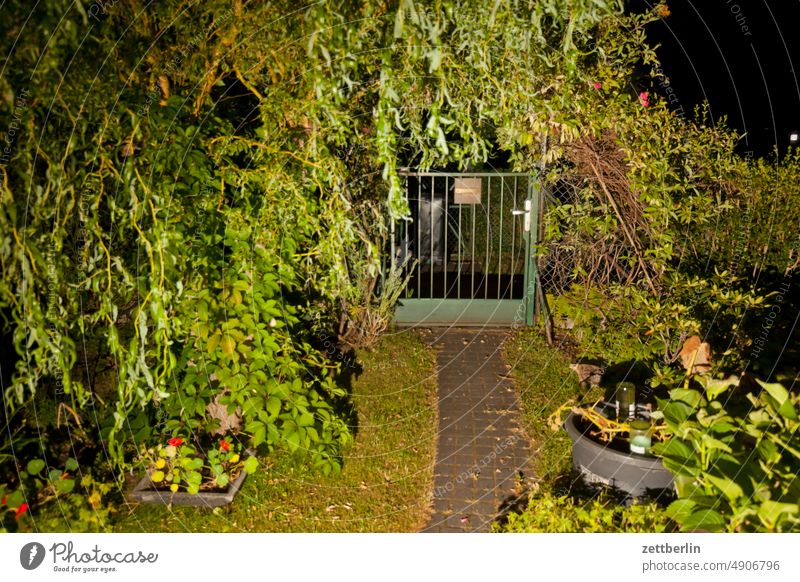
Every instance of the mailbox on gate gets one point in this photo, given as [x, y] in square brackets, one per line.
[467, 191]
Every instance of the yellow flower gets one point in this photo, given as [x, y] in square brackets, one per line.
[95, 499]
[234, 458]
[160, 463]
[173, 487]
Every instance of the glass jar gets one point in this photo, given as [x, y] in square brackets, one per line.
[640, 438]
[626, 401]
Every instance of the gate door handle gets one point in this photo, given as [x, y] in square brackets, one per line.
[526, 224]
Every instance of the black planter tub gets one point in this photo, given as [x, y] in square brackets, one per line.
[598, 463]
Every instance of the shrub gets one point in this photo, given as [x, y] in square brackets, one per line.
[73, 499]
[551, 513]
[735, 453]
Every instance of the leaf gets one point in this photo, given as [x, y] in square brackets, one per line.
[35, 466]
[15, 499]
[228, 344]
[252, 405]
[157, 476]
[213, 341]
[251, 465]
[777, 391]
[784, 402]
[680, 510]
[273, 406]
[690, 397]
[714, 388]
[715, 444]
[681, 467]
[674, 448]
[305, 419]
[721, 427]
[222, 480]
[676, 413]
[293, 440]
[65, 485]
[727, 486]
[704, 519]
[260, 434]
[771, 511]
[686, 486]
[399, 20]
[193, 478]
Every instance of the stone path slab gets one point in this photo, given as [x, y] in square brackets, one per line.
[483, 455]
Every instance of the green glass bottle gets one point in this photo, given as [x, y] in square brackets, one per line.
[640, 438]
[626, 401]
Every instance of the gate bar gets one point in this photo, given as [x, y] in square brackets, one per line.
[458, 276]
[433, 187]
[488, 240]
[472, 256]
[418, 237]
[500, 249]
[446, 228]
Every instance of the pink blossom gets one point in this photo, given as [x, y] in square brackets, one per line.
[644, 98]
[597, 85]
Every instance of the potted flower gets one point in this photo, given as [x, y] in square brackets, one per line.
[178, 473]
[613, 448]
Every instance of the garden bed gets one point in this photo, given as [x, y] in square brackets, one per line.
[387, 472]
[146, 492]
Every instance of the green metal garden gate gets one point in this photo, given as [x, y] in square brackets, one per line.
[470, 241]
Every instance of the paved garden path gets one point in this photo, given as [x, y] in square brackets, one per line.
[482, 452]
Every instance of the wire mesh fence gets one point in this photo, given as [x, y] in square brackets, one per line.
[582, 241]
[558, 255]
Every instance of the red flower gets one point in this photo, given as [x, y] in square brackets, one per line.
[20, 510]
[3, 502]
[644, 98]
[598, 85]
[175, 441]
[224, 445]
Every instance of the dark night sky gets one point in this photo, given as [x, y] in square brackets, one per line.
[739, 55]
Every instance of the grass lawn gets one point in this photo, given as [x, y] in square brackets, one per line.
[386, 480]
[544, 382]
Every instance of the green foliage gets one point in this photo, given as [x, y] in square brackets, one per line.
[187, 177]
[624, 323]
[758, 231]
[245, 350]
[77, 502]
[736, 459]
[550, 513]
[658, 229]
